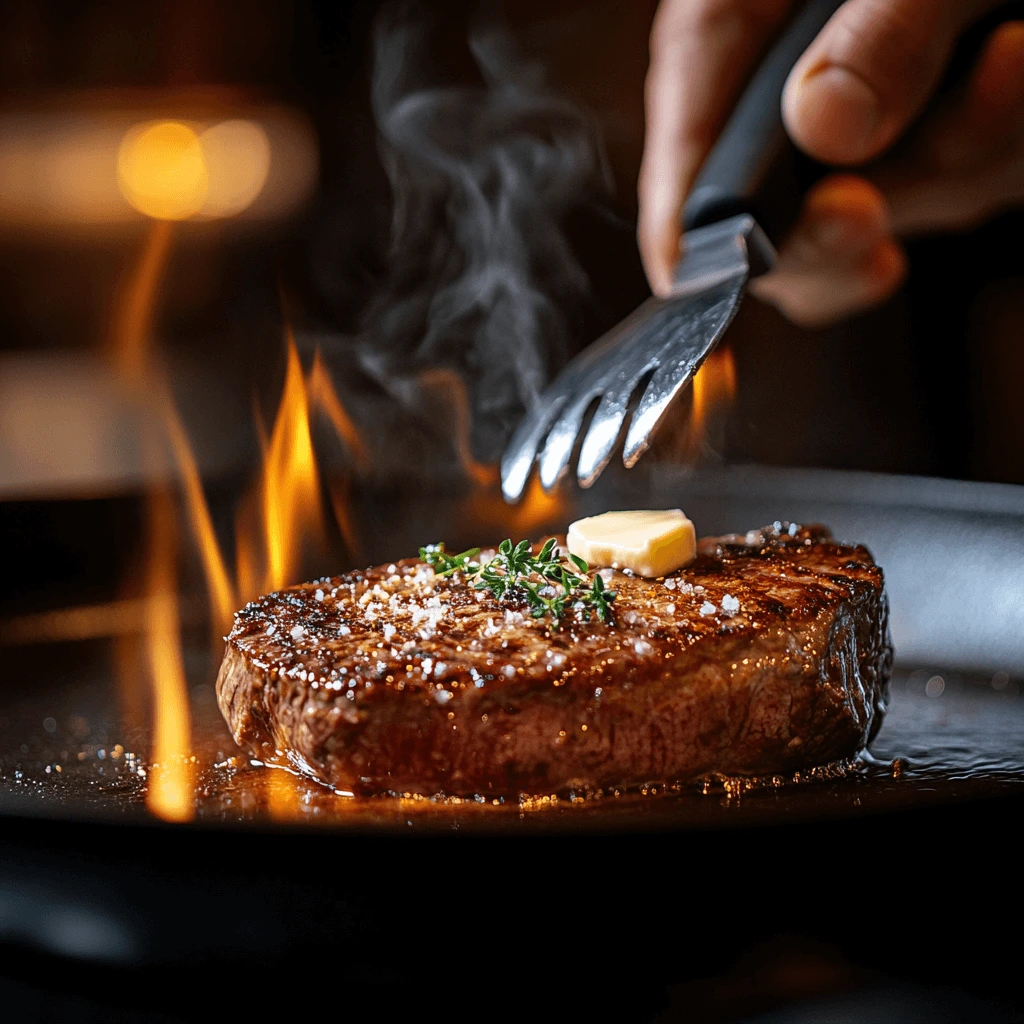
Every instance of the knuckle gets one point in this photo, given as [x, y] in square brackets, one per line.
[679, 19]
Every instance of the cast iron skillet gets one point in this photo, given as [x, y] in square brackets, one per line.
[916, 881]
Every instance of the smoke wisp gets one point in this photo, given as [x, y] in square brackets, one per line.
[478, 275]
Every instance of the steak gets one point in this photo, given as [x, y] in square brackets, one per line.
[769, 653]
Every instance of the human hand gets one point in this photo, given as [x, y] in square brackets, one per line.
[849, 99]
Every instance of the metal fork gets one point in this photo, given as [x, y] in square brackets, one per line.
[665, 341]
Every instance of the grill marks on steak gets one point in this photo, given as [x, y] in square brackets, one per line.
[770, 652]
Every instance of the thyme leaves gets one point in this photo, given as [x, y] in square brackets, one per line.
[549, 583]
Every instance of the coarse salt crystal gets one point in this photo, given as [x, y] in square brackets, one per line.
[642, 647]
[670, 583]
[272, 629]
[730, 604]
[707, 608]
[508, 671]
[389, 631]
[442, 696]
[296, 632]
[319, 595]
[344, 630]
[670, 608]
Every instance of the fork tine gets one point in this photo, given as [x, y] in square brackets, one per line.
[637, 356]
[599, 443]
[522, 449]
[562, 439]
[680, 359]
[583, 375]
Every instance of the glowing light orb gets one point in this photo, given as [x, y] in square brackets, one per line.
[237, 155]
[161, 170]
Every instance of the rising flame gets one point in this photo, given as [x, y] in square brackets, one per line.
[538, 512]
[449, 385]
[324, 398]
[133, 320]
[289, 489]
[714, 391]
[223, 598]
[170, 794]
[714, 387]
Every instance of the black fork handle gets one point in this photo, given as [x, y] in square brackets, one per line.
[754, 143]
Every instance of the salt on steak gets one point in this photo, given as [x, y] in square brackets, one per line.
[769, 653]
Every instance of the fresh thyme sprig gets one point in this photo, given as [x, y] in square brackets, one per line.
[546, 582]
[444, 564]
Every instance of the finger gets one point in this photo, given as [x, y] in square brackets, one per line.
[701, 51]
[997, 88]
[966, 161]
[869, 73]
[839, 259]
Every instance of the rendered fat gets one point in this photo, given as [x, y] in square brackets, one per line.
[650, 543]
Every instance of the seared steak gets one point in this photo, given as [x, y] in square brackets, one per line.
[769, 653]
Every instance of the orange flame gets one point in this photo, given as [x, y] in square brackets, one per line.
[538, 511]
[714, 386]
[451, 387]
[223, 600]
[170, 794]
[714, 391]
[324, 398]
[285, 512]
[134, 319]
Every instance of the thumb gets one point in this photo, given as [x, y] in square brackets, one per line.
[868, 74]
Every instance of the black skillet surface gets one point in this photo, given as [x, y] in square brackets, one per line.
[907, 867]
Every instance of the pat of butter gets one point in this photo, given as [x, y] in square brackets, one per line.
[649, 543]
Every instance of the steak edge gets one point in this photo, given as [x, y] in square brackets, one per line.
[769, 653]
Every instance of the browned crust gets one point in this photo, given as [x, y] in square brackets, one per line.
[436, 688]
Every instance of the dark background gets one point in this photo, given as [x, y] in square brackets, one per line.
[926, 384]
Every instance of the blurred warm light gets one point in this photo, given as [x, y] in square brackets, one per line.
[237, 155]
[538, 512]
[162, 171]
[88, 161]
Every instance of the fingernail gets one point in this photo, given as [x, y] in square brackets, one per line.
[840, 112]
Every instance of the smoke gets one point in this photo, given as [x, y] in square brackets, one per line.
[478, 274]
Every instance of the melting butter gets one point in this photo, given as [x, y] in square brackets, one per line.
[650, 543]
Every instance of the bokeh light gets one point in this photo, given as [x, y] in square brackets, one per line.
[237, 155]
[161, 170]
